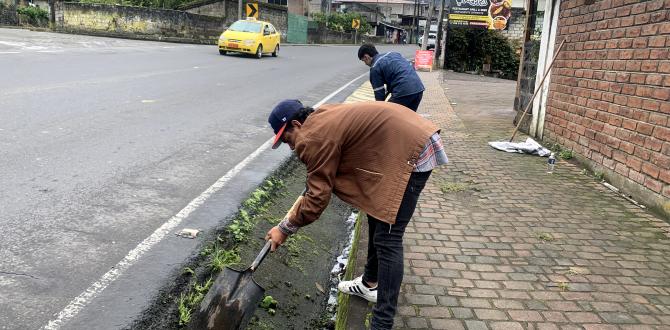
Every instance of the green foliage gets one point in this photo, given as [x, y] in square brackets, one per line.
[545, 237]
[36, 16]
[167, 4]
[268, 303]
[599, 175]
[449, 187]
[187, 302]
[184, 309]
[222, 258]
[342, 21]
[469, 49]
[566, 154]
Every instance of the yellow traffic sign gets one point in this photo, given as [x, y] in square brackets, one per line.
[355, 23]
[252, 10]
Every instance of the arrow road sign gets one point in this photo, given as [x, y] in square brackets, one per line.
[252, 10]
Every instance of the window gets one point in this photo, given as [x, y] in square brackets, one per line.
[245, 26]
[278, 2]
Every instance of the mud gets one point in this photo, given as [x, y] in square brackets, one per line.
[297, 276]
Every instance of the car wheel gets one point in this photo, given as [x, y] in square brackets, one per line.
[222, 52]
[276, 52]
[259, 51]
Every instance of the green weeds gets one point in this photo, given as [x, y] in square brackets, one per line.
[566, 154]
[453, 187]
[224, 250]
[546, 237]
[187, 302]
[222, 258]
[270, 305]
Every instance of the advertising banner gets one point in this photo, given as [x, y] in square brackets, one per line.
[423, 59]
[484, 14]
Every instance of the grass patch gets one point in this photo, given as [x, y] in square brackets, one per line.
[222, 258]
[187, 302]
[546, 237]
[453, 187]
[343, 299]
[368, 320]
[599, 175]
[563, 286]
[566, 154]
[270, 305]
[224, 250]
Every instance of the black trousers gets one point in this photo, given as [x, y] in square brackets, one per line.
[411, 101]
[385, 254]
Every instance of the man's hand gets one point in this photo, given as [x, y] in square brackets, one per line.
[276, 236]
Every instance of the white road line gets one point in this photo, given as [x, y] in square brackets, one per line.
[78, 303]
[10, 52]
[337, 91]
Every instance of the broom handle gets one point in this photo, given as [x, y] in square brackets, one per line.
[530, 104]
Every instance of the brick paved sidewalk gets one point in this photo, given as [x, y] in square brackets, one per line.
[497, 243]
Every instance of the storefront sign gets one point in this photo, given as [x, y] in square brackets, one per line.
[486, 14]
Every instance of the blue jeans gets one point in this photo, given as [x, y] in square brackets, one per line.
[385, 254]
[411, 101]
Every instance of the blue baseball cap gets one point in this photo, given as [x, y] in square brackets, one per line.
[280, 115]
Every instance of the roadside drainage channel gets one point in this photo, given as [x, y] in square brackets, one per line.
[297, 277]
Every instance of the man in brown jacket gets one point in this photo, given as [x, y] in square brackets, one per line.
[376, 156]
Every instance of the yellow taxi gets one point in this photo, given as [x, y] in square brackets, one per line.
[250, 36]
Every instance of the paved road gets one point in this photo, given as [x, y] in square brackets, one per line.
[103, 140]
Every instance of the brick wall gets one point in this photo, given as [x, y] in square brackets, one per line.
[609, 93]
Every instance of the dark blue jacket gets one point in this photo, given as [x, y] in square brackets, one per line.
[397, 73]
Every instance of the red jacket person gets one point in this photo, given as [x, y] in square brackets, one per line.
[376, 156]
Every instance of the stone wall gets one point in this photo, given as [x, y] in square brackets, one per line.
[609, 97]
[275, 14]
[8, 15]
[138, 23]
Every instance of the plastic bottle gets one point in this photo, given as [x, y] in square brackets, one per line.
[551, 162]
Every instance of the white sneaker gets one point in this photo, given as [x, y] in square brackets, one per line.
[357, 288]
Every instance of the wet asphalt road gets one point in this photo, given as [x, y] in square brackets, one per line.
[103, 140]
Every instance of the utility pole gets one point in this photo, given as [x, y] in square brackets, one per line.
[438, 42]
[418, 14]
[426, 29]
[239, 9]
[445, 39]
[414, 32]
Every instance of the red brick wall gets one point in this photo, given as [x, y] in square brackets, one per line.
[609, 95]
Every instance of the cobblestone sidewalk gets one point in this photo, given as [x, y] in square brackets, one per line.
[497, 243]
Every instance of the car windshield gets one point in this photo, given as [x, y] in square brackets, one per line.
[244, 26]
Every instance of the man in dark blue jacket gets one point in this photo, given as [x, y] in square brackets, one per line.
[390, 73]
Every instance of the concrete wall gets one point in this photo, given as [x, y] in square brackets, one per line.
[609, 96]
[138, 23]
